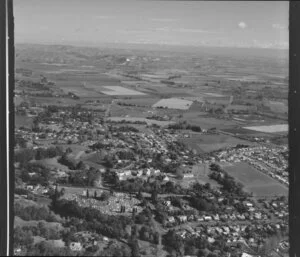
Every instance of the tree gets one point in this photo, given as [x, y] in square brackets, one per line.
[80, 166]
[154, 195]
[179, 174]
[87, 193]
[22, 238]
[104, 196]
[207, 186]
[62, 191]
[68, 150]
[135, 249]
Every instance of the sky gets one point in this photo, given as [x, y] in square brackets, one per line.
[255, 24]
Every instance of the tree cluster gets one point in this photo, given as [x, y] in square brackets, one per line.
[94, 220]
[34, 212]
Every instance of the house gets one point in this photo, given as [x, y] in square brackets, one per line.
[226, 230]
[188, 175]
[219, 230]
[211, 240]
[171, 219]
[75, 246]
[200, 219]
[182, 218]
[241, 217]
[17, 251]
[29, 187]
[167, 203]
[246, 255]
[251, 209]
[191, 217]
[147, 172]
[257, 215]
[166, 178]
[127, 172]
[216, 217]
[248, 204]
[207, 218]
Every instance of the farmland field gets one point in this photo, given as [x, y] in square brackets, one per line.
[201, 119]
[174, 103]
[279, 107]
[146, 101]
[270, 128]
[118, 90]
[255, 181]
[137, 119]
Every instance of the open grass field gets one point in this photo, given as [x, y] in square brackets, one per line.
[69, 190]
[255, 181]
[270, 128]
[23, 121]
[174, 103]
[208, 143]
[52, 163]
[18, 100]
[201, 172]
[76, 149]
[128, 111]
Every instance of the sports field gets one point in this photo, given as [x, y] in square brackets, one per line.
[255, 181]
[208, 143]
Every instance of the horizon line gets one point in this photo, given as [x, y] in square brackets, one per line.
[110, 45]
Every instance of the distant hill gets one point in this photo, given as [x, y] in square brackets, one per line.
[68, 53]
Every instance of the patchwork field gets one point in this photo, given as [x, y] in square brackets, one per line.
[270, 128]
[118, 90]
[255, 181]
[174, 103]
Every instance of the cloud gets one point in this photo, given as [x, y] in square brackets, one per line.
[163, 19]
[183, 30]
[130, 31]
[242, 25]
[278, 26]
[162, 29]
[194, 30]
[104, 17]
